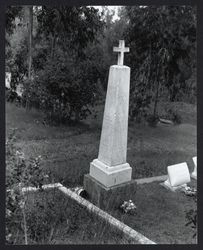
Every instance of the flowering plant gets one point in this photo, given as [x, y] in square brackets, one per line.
[191, 215]
[190, 191]
[128, 207]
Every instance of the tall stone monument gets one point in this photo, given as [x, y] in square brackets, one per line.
[109, 181]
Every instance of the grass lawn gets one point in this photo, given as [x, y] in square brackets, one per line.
[161, 214]
[68, 150]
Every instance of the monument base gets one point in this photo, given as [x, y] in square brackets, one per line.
[112, 197]
[110, 176]
[167, 185]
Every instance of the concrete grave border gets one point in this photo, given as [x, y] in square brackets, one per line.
[127, 231]
[151, 179]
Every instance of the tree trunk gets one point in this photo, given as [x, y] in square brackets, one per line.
[157, 91]
[30, 30]
[156, 99]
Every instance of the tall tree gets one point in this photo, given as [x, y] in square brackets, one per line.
[14, 16]
[66, 79]
[162, 41]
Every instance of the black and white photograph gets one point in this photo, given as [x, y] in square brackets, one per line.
[100, 124]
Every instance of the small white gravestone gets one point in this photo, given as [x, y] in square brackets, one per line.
[8, 80]
[194, 173]
[178, 176]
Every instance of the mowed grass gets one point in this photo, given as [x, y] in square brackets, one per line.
[68, 150]
[161, 214]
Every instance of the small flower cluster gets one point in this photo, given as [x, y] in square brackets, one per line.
[190, 191]
[128, 207]
[20, 154]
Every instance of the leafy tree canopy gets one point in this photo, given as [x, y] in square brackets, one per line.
[162, 40]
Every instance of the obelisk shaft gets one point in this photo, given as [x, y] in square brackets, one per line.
[113, 143]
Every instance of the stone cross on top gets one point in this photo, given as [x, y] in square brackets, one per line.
[121, 49]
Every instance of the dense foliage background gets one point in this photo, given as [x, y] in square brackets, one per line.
[62, 55]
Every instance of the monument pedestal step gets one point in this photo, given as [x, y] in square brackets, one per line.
[112, 197]
[110, 176]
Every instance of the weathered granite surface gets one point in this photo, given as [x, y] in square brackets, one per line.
[110, 176]
[113, 143]
[112, 197]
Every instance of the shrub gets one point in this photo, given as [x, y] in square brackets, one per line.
[152, 120]
[19, 173]
[176, 118]
[173, 114]
[191, 217]
[64, 90]
[12, 96]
